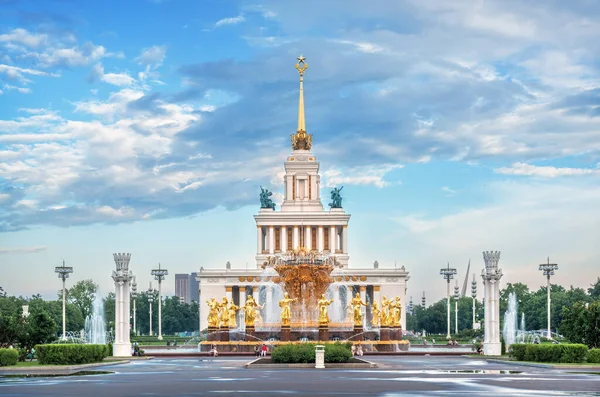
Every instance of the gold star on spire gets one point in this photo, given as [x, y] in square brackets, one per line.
[301, 140]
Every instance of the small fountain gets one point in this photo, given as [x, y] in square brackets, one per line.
[511, 320]
[95, 326]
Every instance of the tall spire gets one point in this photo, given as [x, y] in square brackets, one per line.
[301, 66]
[301, 140]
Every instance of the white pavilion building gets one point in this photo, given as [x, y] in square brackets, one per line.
[301, 222]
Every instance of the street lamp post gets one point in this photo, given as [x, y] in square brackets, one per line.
[448, 275]
[134, 297]
[456, 297]
[548, 270]
[150, 300]
[474, 296]
[63, 273]
[159, 275]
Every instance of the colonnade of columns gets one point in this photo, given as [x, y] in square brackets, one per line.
[272, 239]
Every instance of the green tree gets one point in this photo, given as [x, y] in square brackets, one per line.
[581, 323]
[594, 290]
[38, 328]
[82, 295]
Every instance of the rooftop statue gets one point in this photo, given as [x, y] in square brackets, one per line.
[336, 198]
[265, 199]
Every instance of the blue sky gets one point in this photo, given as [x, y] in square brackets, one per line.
[148, 127]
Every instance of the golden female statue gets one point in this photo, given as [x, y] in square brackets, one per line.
[356, 302]
[251, 309]
[376, 314]
[322, 305]
[232, 311]
[395, 312]
[224, 312]
[385, 313]
[286, 311]
[213, 313]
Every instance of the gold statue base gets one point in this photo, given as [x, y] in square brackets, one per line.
[384, 334]
[224, 334]
[250, 331]
[213, 334]
[396, 333]
[285, 333]
[323, 332]
[358, 329]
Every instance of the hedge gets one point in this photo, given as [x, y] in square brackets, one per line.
[305, 353]
[560, 353]
[593, 356]
[8, 357]
[65, 354]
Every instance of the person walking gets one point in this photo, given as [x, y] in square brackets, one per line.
[256, 351]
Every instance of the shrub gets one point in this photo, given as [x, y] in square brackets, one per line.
[560, 353]
[8, 357]
[66, 354]
[593, 356]
[517, 351]
[305, 353]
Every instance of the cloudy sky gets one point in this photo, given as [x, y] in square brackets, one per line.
[148, 126]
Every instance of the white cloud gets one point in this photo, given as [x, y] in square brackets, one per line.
[23, 250]
[367, 48]
[154, 55]
[230, 21]
[118, 79]
[448, 190]
[22, 90]
[22, 36]
[527, 222]
[367, 175]
[545, 171]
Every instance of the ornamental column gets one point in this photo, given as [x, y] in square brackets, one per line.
[308, 238]
[122, 277]
[491, 276]
[320, 240]
[284, 239]
[345, 239]
[271, 239]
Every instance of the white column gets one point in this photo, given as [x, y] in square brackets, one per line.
[134, 314]
[473, 313]
[345, 239]
[332, 238]
[259, 239]
[283, 238]
[320, 241]
[127, 314]
[118, 314]
[295, 237]
[403, 310]
[150, 329]
[308, 238]
[377, 294]
[271, 239]
[228, 291]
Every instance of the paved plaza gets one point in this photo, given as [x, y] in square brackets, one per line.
[411, 376]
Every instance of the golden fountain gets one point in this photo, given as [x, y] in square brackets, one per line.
[306, 275]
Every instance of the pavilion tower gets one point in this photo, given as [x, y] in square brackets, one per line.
[302, 220]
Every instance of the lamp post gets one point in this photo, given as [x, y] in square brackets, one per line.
[548, 270]
[456, 297]
[448, 274]
[423, 301]
[150, 300]
[159, 275]
[134, 296]
[474, 296]
[63, 273]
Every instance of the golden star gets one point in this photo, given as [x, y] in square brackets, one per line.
[301, 59]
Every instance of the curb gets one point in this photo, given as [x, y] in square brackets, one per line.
[365, 364]
[57, 369]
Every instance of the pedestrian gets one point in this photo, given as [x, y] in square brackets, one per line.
[359, 350]
[353, 349]
[264, 350]
[256, 351]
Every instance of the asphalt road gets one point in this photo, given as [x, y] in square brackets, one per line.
[409, 376]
